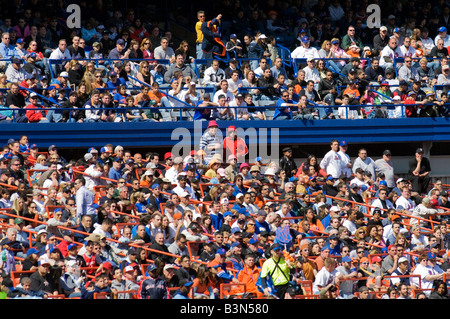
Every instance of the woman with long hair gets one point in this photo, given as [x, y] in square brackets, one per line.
[135, 50]
[201, 282]
[147, 49]
[373, 238]
[183, 49]
[316, 226]
[138, 32]
[82, 93]
[144, 74]
[19, 208]
[311, 160]
[206, 225]
[251, 81]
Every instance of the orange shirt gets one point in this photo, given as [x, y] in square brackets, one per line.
[249, 277]
[157, 97]
[352, 93]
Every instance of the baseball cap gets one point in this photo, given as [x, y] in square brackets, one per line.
[402, 259]
[105, 150]
[128, 268]
[233, 36]
[151, 267]
[168, 155]
[305, 39]
[343, 143]
[120, 41]
[346, 259]
[383, 28]
[397, 30]
[419, 150]
[442, 29]
[376, 259]
[43, 262]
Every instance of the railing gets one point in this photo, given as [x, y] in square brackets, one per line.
[106, 61]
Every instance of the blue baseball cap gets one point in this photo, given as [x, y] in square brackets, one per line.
[105, 150]
[235, 244]
[235, 230]
[343, 143]
[431, 256]
[293, 179]
[397, 30]
[155, 185]
[244, 211]
[151, 267]
[221, 251]
[305, 39]
[442, 29]
[227, 214]
[346, 259]
[32, 251]
[383, 183]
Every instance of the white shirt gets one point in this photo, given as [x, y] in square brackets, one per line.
[423, 272]
[427, 43]
[323, 279]
[213, 77]
[350, 114]
[410, 51]
[350, 226]
[229, 96]
[171, 175]
[377, 203]
[332, 163]
[345, 159]
[389, 53]
[241, 110]
[304, 53]
[311, 74]
[446, 40]
[93, 177]
[233, 86]
[15, 75]
[407, 204]
[58, 55]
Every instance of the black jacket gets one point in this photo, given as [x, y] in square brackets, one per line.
[288, 164]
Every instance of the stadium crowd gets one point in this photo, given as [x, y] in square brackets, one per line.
[330, 64]
[205, 225]
[215, 224]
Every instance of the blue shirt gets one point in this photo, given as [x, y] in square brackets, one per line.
[260, 227]
[114, 174]
[282, 110]
[7, 52]
[202, 113]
